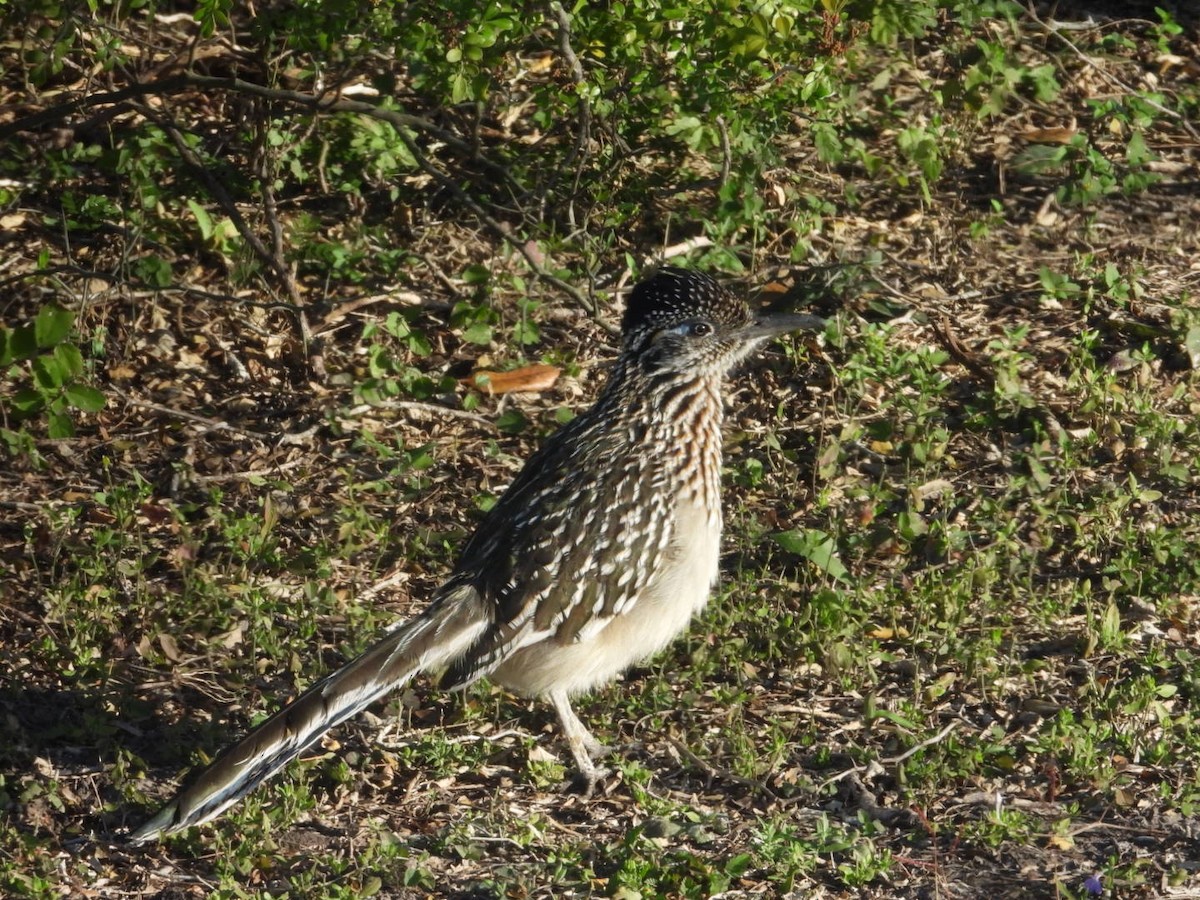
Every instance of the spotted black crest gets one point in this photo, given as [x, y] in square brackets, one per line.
[671, 296]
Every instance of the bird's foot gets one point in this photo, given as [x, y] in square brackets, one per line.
[585, 781]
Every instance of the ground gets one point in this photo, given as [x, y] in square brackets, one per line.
[955, 647]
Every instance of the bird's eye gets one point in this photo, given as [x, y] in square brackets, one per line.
[698, 328]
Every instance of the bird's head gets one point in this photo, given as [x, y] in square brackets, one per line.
[681, 321]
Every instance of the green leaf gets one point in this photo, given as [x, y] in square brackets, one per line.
[83, 397]
[815, 546]
[512, 421]
[154, 270]
[476, 274]
[1136, 151]
[203, 219]
[52, 325]
[69, 359]
[829, 145]
[739, 864]
[1191, 344]
[479, 333]
[22, 343]
[27, 401]
[61, 426]
[48, 373]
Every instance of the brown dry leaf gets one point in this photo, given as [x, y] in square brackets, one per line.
[170, 649]
[933, 488]
[12, 221]
[1061, 135]
[1046, 215]
[538, 64]
[233, 637]
[540, 754]
[887, 634]
[526, 378]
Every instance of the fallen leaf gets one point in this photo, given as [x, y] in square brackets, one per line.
[170, 649]
[526, 378]
[1050, 135]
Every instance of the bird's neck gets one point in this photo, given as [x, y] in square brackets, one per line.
[679, 417]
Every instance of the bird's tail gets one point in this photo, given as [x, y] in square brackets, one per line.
[443, 633]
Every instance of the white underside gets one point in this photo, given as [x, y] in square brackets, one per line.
[679, 592]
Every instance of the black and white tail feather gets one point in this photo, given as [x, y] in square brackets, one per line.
[429, 642]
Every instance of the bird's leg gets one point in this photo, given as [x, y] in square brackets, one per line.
[583, 745]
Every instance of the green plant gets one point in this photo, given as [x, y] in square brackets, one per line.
[52, 370]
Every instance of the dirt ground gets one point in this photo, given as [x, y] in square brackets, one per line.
[361, 507]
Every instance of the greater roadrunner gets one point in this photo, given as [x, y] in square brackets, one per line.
[599, 553]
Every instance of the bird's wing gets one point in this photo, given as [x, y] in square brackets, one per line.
[563, 553]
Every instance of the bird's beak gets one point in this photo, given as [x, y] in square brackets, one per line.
[769, 325]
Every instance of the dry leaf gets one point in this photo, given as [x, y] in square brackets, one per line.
[539, 754]
[535, 65]
[170, 649]
[232, 638]
[526, 378]
[1050, 135]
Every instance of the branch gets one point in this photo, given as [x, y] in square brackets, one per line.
[1116, 82]
[583, 138]
[175, 84]
[403, 123]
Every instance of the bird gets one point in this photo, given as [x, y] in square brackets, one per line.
[599, 553]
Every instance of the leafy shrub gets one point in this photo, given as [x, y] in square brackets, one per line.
[49, 369]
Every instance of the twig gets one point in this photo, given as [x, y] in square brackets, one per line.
[724, 775]
[312, 347]
[248, 474]
[210, 424]
[928, 742]
[402, 121]
[726, 153]
[1108, 76]
[275, 261]
[421, 410]
[315, 102]
[368, 594]
[193, 162]
[892, 760]
[501, 231]
[584, 136]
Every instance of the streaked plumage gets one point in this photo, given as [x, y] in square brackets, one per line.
[597, 556]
